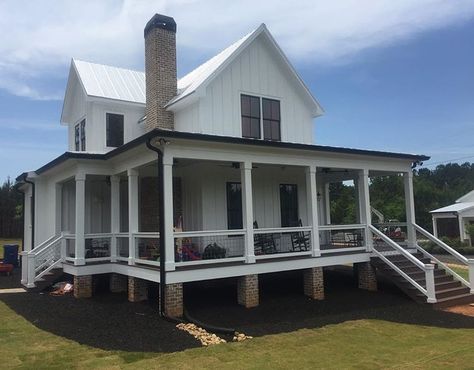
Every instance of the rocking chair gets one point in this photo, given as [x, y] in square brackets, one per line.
[263, 243]
[300, 241]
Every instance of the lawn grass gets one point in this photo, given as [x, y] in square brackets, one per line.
[352, 344]
[461, 270]
[8, 241]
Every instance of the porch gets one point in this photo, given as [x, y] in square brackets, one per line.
[217, 212]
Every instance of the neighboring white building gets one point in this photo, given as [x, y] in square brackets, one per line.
[212, 175]
[452, 220]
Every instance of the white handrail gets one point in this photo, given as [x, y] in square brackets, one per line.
[443, 245]
[274, 230]
[397, 269]
[445, 267]
[189, 234]
[341, 227]
[37, 251]
[394, 245]
[47, 241]
[428, 269]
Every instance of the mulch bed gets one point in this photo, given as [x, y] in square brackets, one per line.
[110, 322]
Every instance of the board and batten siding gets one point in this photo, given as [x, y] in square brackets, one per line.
[205, 198]
[256, 71]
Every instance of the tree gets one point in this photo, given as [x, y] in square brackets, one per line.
[10, 211]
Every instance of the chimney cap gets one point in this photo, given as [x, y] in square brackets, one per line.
[160, 21]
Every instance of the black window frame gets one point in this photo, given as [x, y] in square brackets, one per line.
[110, 140]
[289, 214]
[234, 210]
[272, 120]
[250, 116]
[77, 137]
[83, 135]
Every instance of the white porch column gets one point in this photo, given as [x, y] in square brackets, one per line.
[364, 206]
[58, 208]
[462, 232]
[410, 208]
[312, 200]
[114, 215]
[435, 226]
[80, 215]
[132, 213]
[168, 208]
[247, 210]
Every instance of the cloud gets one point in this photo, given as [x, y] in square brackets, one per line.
[43, 35]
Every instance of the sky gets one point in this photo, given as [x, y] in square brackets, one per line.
[390, 75]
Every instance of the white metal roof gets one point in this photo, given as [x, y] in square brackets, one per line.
[469, 197]
[456, 207]
[111, 82]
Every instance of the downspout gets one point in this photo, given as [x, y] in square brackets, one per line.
[33, 194]
[22, 218]
[161, 212]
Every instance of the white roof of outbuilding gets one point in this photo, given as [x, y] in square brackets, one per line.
[111, 82]
[456, 207]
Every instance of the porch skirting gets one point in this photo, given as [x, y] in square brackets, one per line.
[118, 283]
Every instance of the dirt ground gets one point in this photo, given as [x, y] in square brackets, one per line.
[109, 321]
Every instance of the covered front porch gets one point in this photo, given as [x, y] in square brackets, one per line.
[220, 208]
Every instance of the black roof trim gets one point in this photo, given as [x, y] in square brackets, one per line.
[224, 139]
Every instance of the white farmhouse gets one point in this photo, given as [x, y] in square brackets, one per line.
[209, 176]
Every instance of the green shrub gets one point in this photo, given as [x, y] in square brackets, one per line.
[455, 243]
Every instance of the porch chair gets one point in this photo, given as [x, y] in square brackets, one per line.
[300, 240]
[263, 243]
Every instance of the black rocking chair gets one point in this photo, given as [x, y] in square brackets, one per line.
[300, 241]
[263, 243]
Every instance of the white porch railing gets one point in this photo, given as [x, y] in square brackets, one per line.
[146, 249]
[213, 246]
[279, 241]
[342, 238]
[459, 257]
[429, 289]
[42, 259]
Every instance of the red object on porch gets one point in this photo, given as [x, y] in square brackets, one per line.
[6, 267]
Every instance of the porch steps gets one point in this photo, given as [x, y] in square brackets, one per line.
[449, 292]
[47, 280]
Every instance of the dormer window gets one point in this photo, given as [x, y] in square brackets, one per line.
[80, 136]
[254, 123]
[114, 130]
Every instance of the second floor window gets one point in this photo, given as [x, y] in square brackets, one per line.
[260, 115]
[80, 136]
[271, 119]
[114, 129]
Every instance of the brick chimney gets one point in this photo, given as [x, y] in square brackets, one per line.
[160, 71]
